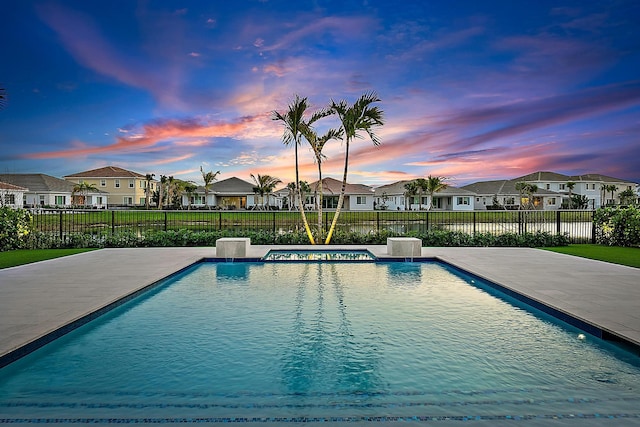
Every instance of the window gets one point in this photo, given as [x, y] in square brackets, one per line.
[463, 201]
[103, 183]
[548, 186]
[10, 199]
[99, 200]
[142, 184]
[361, 200]
[128, 201]
[551, 201]
[593, 186]
[41, 200]
[562, 186]
[117, 183]
[132, 183]
[60, 200]
[509, 200]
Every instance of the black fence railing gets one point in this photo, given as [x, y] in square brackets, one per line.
[577, 224]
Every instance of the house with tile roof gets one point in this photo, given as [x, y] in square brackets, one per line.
[122, 187]
[229, 194]
[358, 197]
[503, 194]
[12, 195]
[393, 197]
[42, 190]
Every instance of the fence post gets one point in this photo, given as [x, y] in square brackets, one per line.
[274, 222]
[113, 222]
[558, 222]
[474, 222]
[519, 222]
[378, 221]
[165, 220]
[61, 225]
[220, 220]
[593, 227]
[427, 219]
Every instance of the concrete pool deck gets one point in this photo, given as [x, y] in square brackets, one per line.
[38, 299]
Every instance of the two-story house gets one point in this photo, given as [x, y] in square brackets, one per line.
[123, 187]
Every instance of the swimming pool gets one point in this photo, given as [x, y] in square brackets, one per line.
[303, 342]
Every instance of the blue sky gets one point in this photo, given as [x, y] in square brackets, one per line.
[470, 90]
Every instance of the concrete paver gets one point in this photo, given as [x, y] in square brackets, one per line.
[38, 299]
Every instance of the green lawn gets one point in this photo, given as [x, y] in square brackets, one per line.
[26, 256]
[613, 254]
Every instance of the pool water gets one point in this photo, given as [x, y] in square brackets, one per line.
[311, 342]
[315, 255]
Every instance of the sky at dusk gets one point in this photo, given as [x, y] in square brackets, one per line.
[471, 90]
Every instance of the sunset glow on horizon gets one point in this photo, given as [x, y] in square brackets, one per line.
[470, 90]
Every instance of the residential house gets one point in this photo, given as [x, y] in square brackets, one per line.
[42, 190]
[357, 197]
[593, 186]
[230, 193]
[393, 197]
[120, 186]
[12, 195]
[502, 194]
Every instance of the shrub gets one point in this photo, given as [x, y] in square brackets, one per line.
[15, 228]
[617, 226]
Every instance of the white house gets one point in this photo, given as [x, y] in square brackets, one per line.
[502, 194]
[393, 197]
[42, 190]
[12, 195]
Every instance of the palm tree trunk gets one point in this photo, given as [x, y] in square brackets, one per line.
[334, 222]
[320, 231]
[300, 204]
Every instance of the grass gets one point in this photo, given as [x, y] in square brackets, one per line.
[27, 256]
[613, 254]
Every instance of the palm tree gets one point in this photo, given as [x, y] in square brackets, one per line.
[293, 121]
[190, 189]
[208, 178]
[361, 116]
[83, 189]
[317, 145]
[147, 190]
[292, 191]
[3, 97]
[421, 185]
[163, 183]
[434, 184]
[264, 186]
[627, 197]
[571, 185]
[305, 189]
[410, 190]
[612, 188]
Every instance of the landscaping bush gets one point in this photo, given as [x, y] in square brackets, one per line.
[15, 227]
[617, 226]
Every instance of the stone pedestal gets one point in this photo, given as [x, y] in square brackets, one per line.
[404, 247]
[232, 247]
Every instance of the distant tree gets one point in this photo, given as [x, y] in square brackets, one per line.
[3, 97]
[628, 197]
[571, 185]
[580, 201]
[190, 189]
[208, 178]
[410, 190]
[147, 189]
[292, 188]
[434, 185]
[612, 188]
[161, 187]
[83, 189]
[264, 186]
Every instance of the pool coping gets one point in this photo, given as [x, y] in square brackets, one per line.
[566, 287]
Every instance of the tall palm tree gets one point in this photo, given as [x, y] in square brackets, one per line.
[421, 185]
[292, 192]
[208, 178]
[190, 189]
[293, 121]
[361, 116]
[264, 186]
[612, 188]
[147, 190]
[571, 185]
[434, 184]
[317, 145]
[410, 190]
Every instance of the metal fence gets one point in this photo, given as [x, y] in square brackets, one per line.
[577, 224]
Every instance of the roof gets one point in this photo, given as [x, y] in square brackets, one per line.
[231, 185]
[502, 187]
[597, 177]
[107, 172]
[558, 177]
[11, 187]
[398, 188]
[331, 186]
[38, 182]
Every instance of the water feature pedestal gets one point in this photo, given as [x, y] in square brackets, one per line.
[232, 247]
[404, 247]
